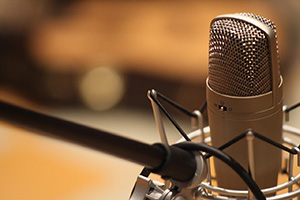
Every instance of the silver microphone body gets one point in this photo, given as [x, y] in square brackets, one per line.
[244, 91]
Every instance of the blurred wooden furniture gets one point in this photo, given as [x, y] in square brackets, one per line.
[164, 39]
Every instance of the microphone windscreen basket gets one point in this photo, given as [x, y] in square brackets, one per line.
[240, 62]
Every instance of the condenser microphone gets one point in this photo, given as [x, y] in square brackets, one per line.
[244, 91]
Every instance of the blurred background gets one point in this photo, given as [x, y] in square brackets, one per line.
[92, 62]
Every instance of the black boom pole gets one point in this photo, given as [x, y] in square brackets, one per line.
[168, 161]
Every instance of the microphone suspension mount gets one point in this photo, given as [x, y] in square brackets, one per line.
[201, 187]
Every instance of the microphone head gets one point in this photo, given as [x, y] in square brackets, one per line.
[243, 55]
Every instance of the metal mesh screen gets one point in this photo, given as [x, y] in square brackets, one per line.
[239, 57]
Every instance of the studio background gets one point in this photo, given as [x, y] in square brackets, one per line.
[92, 62]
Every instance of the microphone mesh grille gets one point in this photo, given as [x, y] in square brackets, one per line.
[239, 57]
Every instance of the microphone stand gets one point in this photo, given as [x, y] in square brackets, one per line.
[161, 159]
[181, 163]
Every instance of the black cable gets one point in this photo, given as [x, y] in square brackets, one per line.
[181, 131]
[190, 146]
[231, 142]
[258, 136]
[173, 103]
[154, 95]
[292, 107]
[203, 106]
[276, 144]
